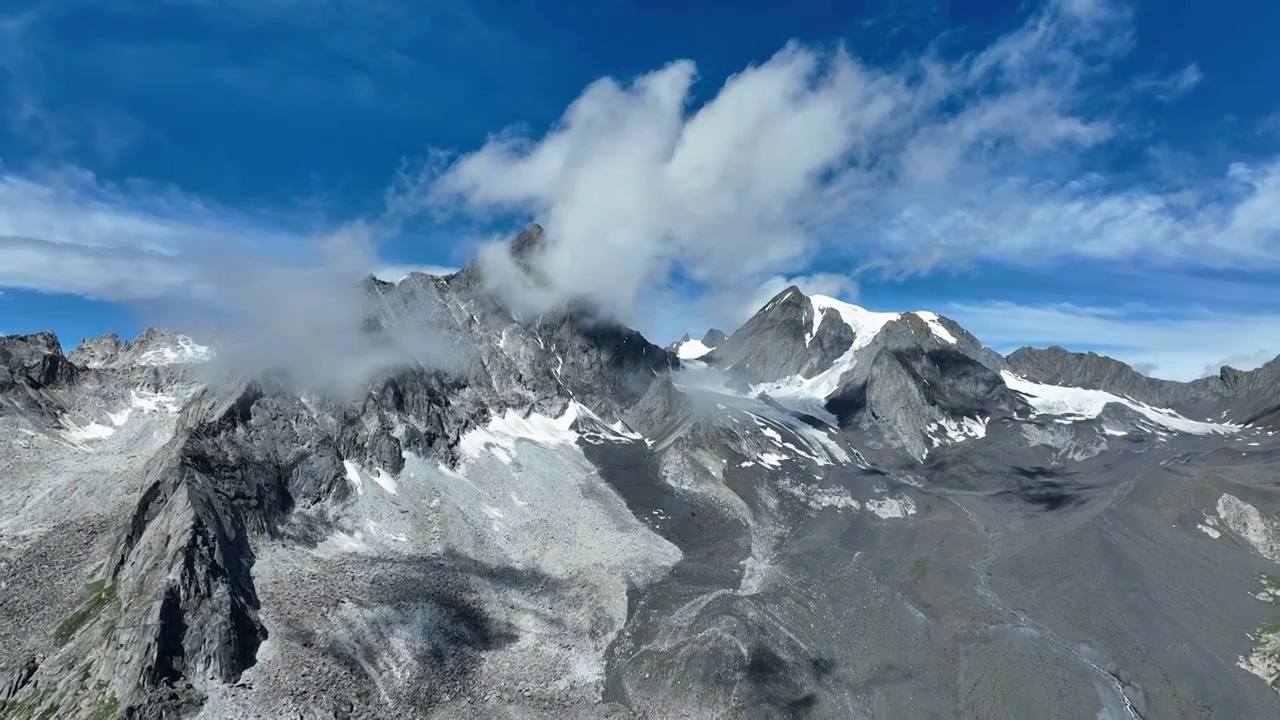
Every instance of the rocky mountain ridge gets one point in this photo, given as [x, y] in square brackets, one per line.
[567, 520]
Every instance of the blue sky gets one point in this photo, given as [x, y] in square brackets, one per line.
[1096, 173]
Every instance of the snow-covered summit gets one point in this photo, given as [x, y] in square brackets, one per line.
[805, 345]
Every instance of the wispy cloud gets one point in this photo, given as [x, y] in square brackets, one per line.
[279, 302]
[1178, 345]
[1270, 125]
[105, 133]
[65, 231]
[1171, 87]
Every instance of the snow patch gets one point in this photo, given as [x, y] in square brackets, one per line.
[85, 433]
[624, 431]
[956, 431]
[692, 349]
[772, 460]
[936, 327]
[353, 476]
[865, 325]
[593, 429]
[386, 480]
[820, 497]
[1083, 404]
[506, 430]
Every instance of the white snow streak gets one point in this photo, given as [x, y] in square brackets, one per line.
[353, 476]
[385, 480]
[956, 431]
[931, 319]
[1082, 404]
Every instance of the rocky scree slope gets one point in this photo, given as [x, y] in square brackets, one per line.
[174, 607]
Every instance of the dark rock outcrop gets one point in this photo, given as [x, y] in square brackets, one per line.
[33, 371]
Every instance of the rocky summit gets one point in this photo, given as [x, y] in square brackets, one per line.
[828, 513]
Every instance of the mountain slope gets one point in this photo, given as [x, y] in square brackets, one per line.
[829, 513]
[1242, 397]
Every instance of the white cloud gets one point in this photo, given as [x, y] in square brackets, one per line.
[66, 232]
[306, 322]
[93, 271]
[934, 161]
[1270, 125]
[277, 302]
[1231, 224]
[1180, 346]
[1172, 87]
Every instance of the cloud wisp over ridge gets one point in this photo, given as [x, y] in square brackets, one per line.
[277, 302]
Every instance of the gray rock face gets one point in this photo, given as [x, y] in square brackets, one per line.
[714, 338]
[909, 381]
[1057, 366]
[778, 341]
[96, 352]
[551, 516]
[32, 367]
[33, 360]
[242, 461]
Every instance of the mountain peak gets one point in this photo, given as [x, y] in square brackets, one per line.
[528, 241]
[154, 346]
[791, 296]
[34, 360]
[95, 352]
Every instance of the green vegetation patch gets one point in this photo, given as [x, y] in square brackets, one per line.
[108, 708]
[100, 594]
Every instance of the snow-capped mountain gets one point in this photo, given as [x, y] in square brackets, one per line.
[830, 512]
